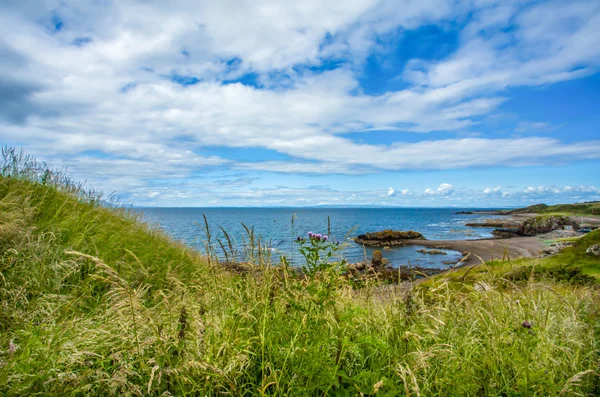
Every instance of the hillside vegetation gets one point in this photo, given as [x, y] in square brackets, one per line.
[95, 302]
[590, 208]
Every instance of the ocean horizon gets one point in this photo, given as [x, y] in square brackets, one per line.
[274, 225]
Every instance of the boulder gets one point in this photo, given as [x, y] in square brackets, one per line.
[593, 250]
[377, 259]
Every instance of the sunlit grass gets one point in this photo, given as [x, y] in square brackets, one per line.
[94, 302]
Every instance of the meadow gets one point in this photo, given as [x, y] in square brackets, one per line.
[93, 301]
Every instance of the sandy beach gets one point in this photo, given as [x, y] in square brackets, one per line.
[487, 249]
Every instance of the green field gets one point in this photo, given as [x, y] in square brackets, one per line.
[95, 302]
[591, 208]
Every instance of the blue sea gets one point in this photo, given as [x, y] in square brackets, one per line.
[274, 225]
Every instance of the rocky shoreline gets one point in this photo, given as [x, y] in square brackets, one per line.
[516, 235]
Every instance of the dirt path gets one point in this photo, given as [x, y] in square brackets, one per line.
[487, 249]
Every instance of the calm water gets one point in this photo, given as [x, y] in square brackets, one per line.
[274, 224]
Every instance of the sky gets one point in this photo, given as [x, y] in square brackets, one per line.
[471, 103]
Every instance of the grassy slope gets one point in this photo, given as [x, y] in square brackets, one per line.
[576, 255]
[144, 315]
[592, 208]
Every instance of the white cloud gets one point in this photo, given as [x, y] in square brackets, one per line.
[391, 192]
[62, 101]
[443, 190]
[536, 126]
[495, 190]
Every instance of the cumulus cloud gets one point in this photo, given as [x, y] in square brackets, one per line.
[442, 190]
[489, 190]
[96, 87]
[186, 194]
[391, 192]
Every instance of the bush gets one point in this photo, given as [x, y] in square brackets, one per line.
[567, 273]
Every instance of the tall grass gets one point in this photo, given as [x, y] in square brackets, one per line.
[95, 302]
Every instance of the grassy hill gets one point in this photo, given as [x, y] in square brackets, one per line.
[590, 208]
[95, 302]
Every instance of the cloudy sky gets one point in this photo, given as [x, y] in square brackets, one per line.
[259, 103]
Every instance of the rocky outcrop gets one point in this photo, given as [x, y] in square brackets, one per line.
[432, 252]
[501, 223]
[358, 271]
[546, 224]
[377, 260]
[554, 249]
[593, 250]
[505, 233]
[388, 238]
[464, 213]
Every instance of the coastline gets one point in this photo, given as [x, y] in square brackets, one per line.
[487, 249]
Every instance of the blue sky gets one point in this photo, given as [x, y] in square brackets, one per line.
[271, 103]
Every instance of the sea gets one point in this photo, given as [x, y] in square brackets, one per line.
[277, 230]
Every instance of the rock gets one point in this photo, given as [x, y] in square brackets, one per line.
[505, 232]
[554, 249]
[376, 258]
[388, 238]
[546, 224]
[561, 234]
[432, 252]
[593, 250]
[464, 212]
[387, 248]
[501, 223]
[449, 262]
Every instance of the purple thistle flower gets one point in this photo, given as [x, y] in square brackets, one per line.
[325, 237]
[526, 324]
[318, 237]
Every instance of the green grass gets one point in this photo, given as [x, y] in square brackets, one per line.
[591, 208]
[94, 302]
[576, 255]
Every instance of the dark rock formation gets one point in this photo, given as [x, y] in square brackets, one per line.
[464, 212]
[377, 260]
[388, 238]
[505, 232]
[546, 224]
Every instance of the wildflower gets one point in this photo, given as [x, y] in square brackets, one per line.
[310, 234]
[526, 324]
[325, 237]
[318, 236]
[299, 239]
[337, 242]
